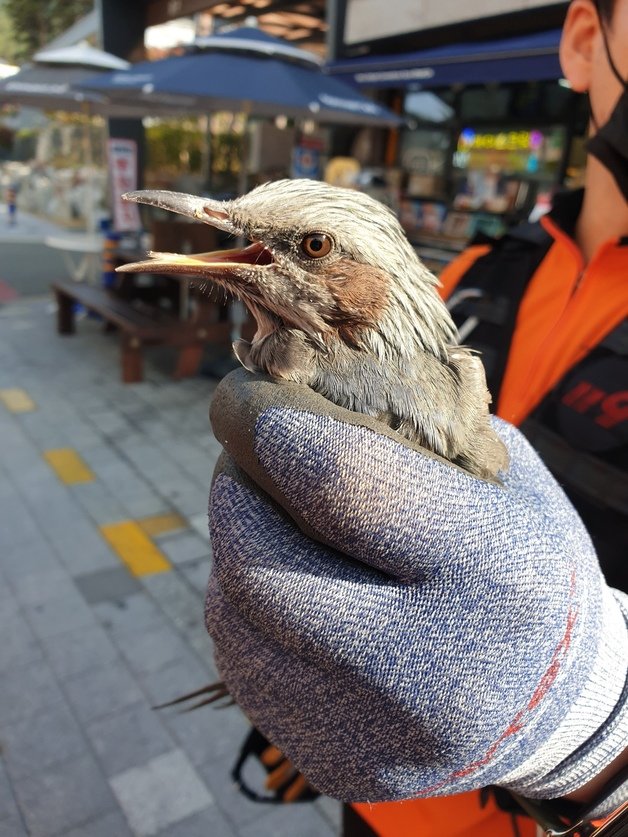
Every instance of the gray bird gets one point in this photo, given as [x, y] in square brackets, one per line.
[344, 305]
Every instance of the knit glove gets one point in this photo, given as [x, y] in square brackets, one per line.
[397, 627]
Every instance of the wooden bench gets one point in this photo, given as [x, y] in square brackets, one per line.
[140, 326]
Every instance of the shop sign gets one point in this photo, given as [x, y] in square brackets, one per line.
[306, 162]
[122, 158]
[499, 141]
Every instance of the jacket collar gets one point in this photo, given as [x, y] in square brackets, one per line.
[565, 210]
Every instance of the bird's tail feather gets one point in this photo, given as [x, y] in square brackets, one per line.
[214, 692]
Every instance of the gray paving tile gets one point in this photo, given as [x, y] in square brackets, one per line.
[331, 810]
[80, 650]
[197, 638]
[43, 432]
[164, 791]
[40, 585]
[287, 820]
[134, 614]
[64, 797]
[59, 615]
[19, 645]
[34, 743]
[18, 451]
[35, 481]
[27, 690]
[81, 548]
[109, 422]
[197, 573]
[144, 504]
[152, 649]
[151, 463]
[54, 507]
[97, 455]
[9, 813]
[238, 809]
[184, 546]
[80, 433]
[192, 502]
[200, 523]
[98, 502]
[111, 825]
[17, 524]
[207, 823]
[129, 738]
[208, 734]
[32, 556]
[177, 486]
[175, 679]
[102, 691]
[182, 604]
[113, 584]
[119, 476]
[12, 825]
[7, 486]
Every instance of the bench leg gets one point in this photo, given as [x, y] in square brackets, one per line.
[189, 360]
[65, 314]
[132, 360]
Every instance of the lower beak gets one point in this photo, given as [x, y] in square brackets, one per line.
[220, 263]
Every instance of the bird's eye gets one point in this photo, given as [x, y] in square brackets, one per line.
[316, 245]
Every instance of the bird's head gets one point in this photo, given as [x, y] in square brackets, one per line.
[331, 262]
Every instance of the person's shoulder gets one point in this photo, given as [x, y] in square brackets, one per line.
[486, 254]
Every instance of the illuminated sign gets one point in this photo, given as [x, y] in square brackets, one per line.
[500, 141]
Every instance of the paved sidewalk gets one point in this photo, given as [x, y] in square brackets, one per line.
[104, 557]
[27, 264]
[28, 228]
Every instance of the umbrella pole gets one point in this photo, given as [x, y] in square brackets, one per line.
[206, 165]
[89, 164]
[243, 179]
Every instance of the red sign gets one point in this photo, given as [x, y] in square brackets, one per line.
[122, 156]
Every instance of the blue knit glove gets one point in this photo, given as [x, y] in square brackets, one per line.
[418, 631]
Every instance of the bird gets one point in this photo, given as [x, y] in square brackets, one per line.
[343, 304]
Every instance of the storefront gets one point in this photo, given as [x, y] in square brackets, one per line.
[493, 130]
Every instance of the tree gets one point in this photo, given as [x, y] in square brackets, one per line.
[36, 22]
[8, 50]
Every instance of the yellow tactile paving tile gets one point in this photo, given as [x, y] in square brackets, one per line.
[17, 400]
[68, 466]
[135, 548]
[159, 524]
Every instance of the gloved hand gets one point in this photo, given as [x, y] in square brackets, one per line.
[397, 627]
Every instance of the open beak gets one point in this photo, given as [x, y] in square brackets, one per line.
[217, 264]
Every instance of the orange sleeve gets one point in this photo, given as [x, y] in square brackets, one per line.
[455, 270]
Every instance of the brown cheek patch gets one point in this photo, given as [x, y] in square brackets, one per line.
[361, 296]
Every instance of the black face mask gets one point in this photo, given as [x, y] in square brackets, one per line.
[610, 143]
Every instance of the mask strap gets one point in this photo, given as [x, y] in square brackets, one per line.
[596, 124]
[611, 63]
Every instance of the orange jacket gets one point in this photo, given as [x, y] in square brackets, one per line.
[567, 309]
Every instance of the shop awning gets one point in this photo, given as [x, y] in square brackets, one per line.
[524, 58]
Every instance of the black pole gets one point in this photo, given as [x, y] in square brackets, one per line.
[122, 32]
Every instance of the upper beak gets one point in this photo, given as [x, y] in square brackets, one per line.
[217, 263]
[201, 209]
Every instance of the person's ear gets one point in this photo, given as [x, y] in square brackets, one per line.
[577, 45]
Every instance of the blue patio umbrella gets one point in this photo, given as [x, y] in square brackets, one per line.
[248, 71]
[50, 81]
